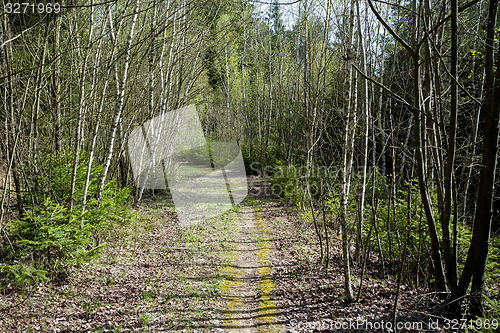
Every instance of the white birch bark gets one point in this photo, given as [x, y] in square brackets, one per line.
[347, 154]
[119, 105]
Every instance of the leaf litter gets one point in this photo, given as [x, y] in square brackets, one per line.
[155, 276]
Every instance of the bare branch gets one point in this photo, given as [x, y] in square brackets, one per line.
[393, 94]
[390, 30]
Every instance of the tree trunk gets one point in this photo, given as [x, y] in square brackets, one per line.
[365, 107]
[478, 251]
[119, 106]
[347, 153]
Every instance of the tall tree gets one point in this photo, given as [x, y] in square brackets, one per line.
[351, 119]
[478, 251]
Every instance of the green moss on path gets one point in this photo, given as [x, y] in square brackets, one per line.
[247, 285]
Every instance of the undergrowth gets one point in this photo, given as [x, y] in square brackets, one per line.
[48, 239]
[394, 226]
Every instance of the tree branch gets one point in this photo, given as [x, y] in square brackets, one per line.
[389, 29]
[393, 94]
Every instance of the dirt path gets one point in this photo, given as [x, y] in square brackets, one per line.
[155, 276]
[253, 270]
[247, 285]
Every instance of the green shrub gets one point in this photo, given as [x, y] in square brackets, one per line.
[290, 182]
[21, 274]
[286, 183]
[49, 239]
[493, 268]
[491, 320]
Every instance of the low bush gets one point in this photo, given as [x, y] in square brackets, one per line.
[48, 239]
[290, 182]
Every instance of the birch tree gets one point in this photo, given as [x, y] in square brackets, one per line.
[351, 119]
[120, 102]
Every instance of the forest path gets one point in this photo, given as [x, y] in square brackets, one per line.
[253, 269]
[247, 285]
[157, 276]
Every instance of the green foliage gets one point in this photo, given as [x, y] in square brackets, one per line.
[52, 238]
[491, 320]
[396, 221]
[492, 275]
[394, 227]
[49, 239]
[22, 275]
[463, 240]
[55, 181]
[333, 204]
[58, 181]
[286, 182]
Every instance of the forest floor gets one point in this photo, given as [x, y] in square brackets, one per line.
[253, 269]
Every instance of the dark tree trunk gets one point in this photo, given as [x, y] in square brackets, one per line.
[478, 251]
